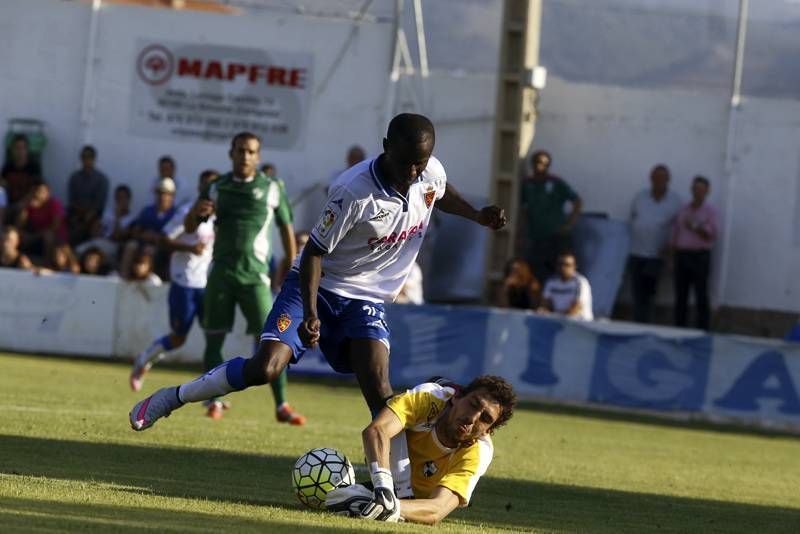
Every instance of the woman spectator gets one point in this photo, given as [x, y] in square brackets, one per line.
[520, 288]
[43, 222]
[10, 256]
[19, 173]
[62, 260]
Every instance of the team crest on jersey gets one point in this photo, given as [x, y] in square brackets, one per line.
[429, 469]
[283, 323]
[325, 224]
[258, 193]
[430, 194]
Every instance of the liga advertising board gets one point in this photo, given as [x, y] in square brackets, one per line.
[206, 92]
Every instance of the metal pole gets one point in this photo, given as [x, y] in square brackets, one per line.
[87, 103]
[421, 43]
[730, 148]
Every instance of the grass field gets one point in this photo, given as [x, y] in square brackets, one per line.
[69, 461]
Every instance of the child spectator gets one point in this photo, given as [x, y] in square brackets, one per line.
[93, 262]
[142, 269]
[10, 255]
[520, 289]
[62, 260]
[42, 222]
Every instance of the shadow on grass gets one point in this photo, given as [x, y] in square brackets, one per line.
[30, 515]
[264, 480]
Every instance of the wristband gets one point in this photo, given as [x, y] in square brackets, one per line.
[381, 478]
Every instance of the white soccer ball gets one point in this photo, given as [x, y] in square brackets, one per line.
[319, 471]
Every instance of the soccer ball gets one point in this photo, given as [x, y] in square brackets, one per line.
[319, 471]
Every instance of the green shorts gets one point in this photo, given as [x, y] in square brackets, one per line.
[223, 293]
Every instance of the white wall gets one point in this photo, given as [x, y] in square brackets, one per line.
[604, 141]
[44, 70]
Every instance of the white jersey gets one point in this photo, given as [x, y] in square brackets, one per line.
[371, 233]
[187, 269]
[564, 293]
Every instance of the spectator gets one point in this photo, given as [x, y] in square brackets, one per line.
[146, 229]
[3, 205]
[112, 230]
[93, 262]
[142, 268]
[42, 222]
[412, 292]
[10, 255]
[568, 293]
[355, 155]
[693, 235]
[88, 194]
[520, 288]
[20, 173]
[270, 170]
[652, 213]
[168, 169]
[62, 260]
[546, 230]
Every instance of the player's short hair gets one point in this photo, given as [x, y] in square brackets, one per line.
[244, 136]
[410, 127]
[703, 180]
[500, 390]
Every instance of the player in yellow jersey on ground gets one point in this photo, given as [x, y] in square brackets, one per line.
[447, 431]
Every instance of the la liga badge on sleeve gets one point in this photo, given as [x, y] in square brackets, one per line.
[283, 322]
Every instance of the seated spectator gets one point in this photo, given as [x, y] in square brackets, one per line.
[93, 262]
[168, 169]
[62, 260]
[142, 269]
[107, 233]
[270, 170]
[568, 292]
[10, 255]
[42, 222]
[88, 193]
[520, 289]
[412, 293]
[147, 229]
[20, 173]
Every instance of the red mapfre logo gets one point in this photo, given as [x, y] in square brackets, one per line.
[394, 239]
[156, 64]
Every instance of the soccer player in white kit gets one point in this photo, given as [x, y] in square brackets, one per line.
[188, 266]
[358, 256]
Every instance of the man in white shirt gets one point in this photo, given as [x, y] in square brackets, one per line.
[191, 257]
[568, 292]
[652, 212]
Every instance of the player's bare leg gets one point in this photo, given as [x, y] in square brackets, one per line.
[233, 375]
[369, 359]
[270, 363]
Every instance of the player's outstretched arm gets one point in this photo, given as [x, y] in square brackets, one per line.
[431, 510]
[377, 437]
[310, 274]
[492, 217]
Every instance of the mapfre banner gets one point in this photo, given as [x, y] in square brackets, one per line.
[211, 92]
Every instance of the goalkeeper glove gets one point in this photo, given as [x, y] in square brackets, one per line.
[384, 505]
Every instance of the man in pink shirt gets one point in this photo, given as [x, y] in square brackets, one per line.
[693, 235]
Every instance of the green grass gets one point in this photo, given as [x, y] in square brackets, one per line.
[69, 461]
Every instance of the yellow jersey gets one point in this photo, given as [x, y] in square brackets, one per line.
[433, 464]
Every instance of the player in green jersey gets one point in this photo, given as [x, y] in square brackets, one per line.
[245, 203]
